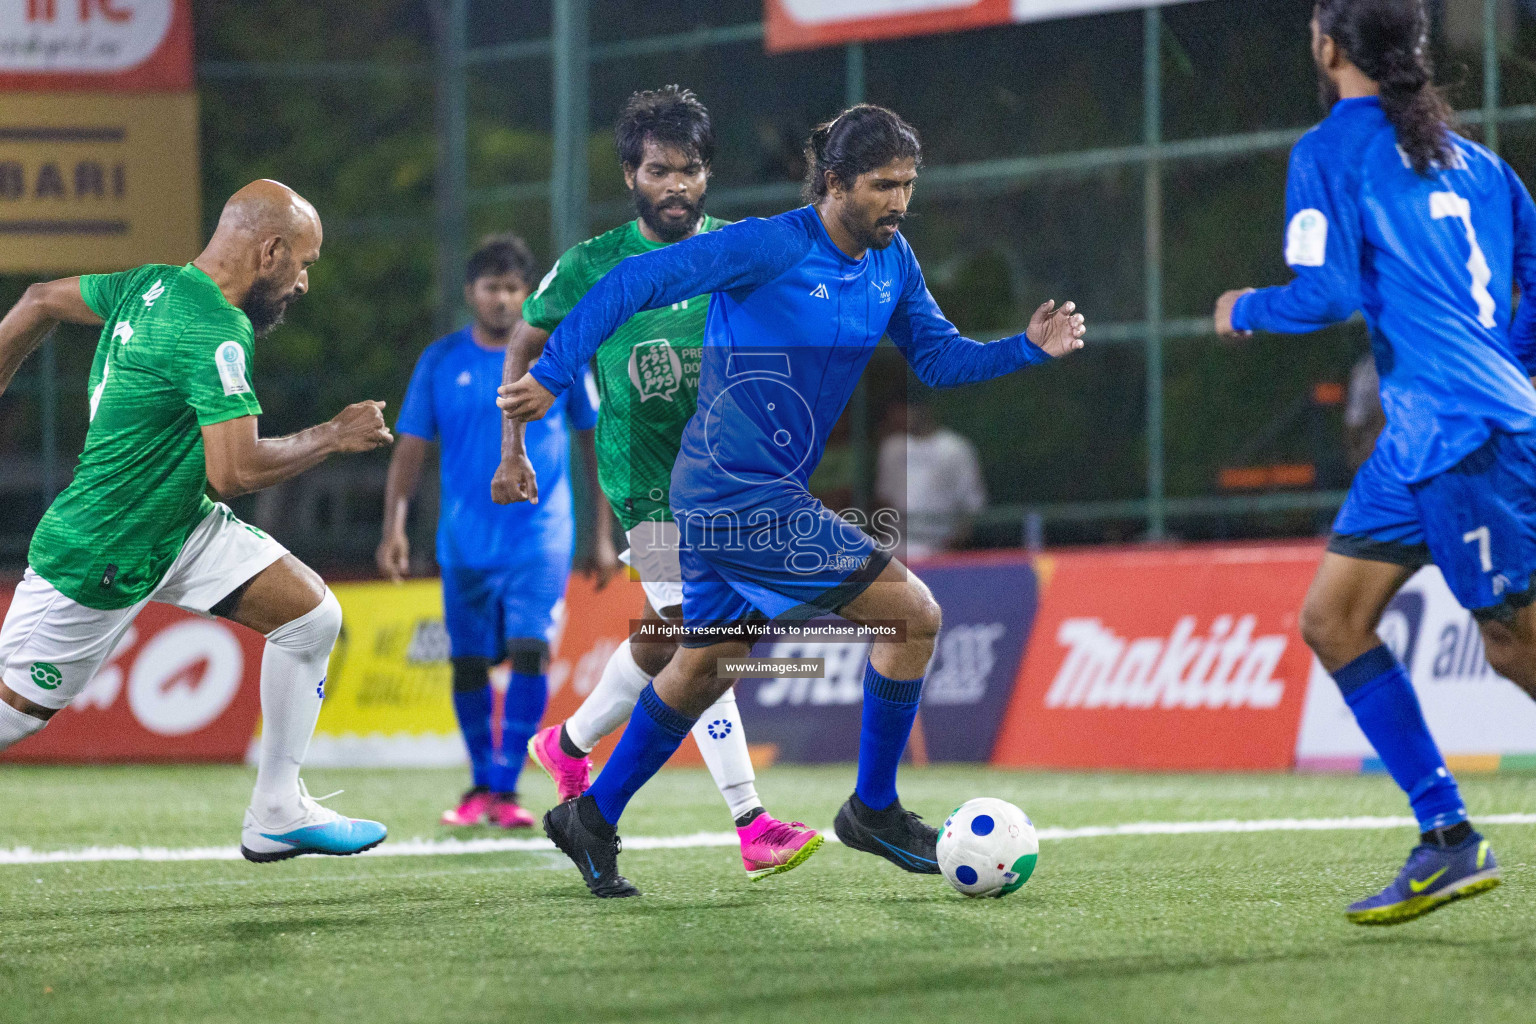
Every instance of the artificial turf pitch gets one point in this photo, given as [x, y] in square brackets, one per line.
[1205, 927]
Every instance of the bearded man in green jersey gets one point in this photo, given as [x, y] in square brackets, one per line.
[648, 381]
[173, 413]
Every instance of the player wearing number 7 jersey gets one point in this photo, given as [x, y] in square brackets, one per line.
[1427, 233]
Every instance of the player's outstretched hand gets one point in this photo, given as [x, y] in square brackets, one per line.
[524, 399]
[515, 481]
[1057, 331]
[1224, 306]
[360, 427]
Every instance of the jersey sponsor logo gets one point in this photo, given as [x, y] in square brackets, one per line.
[655, 370]
[883, 290]
[1228, 668]
[820, 292]
[1306, 239]
[123, 332]
[155, 291]
[464, 379]
[230, 359]
[46, 676]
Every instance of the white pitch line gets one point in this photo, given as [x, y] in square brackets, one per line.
[448, 847]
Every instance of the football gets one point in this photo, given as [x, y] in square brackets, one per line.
[988, 847]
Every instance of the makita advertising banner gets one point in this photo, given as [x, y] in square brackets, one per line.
[989, 605]
[1178, 659]
[1477, 716]
[178, 687]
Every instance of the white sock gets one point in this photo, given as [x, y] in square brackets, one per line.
[16, 726]
[608, 705]
[723, 743]
[292, 679]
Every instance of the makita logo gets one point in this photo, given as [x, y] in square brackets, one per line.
[1227, 668]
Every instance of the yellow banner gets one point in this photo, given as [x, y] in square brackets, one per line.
[97, 181]
[389, 675]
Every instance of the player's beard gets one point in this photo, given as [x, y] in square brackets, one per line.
[265, 306]
[870, 237]
[668, 231]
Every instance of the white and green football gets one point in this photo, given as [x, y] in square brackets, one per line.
[988, 847]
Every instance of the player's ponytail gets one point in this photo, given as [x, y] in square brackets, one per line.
[1388, 40]
[855, 142]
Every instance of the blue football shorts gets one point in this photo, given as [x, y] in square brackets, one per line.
[1476, 522]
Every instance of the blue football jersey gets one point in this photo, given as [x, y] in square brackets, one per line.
[452, 399]
[792, 323]
[1431, 261]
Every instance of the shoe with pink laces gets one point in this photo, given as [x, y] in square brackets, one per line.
[506, 812]
[472, 810]
[571, 775]
[770, 846]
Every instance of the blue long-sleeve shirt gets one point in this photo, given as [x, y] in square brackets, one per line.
[1431, 261]
[792, 323]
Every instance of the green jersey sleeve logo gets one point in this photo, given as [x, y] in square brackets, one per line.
[155, 291]
[230, 359]
[655, 370]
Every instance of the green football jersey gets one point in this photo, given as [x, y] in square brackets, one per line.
[647, 373]
[174, 356]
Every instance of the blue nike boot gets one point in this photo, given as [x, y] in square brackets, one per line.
[1434, 876]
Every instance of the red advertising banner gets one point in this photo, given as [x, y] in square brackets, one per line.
[803, 24]
[96, 45]
[1173, 659]
[178, 688]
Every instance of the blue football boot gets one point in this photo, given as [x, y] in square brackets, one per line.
[1433, 877]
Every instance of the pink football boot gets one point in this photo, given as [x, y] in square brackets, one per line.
[571, 775]
[506, 812]
[770, 846]
[472, 809]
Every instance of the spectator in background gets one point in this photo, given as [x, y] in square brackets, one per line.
[931, 476]
[504, 567]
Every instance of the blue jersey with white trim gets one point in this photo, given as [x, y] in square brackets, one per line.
[1431, 260]
[792, 323]
[452, 399]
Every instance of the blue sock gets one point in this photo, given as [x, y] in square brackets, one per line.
[654, 733]
[1376, 688]
[521, 713]
[473, 708]
[890, 706]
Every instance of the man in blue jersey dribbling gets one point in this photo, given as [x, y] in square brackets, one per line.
[504, 568]
[1427, 233]
[799, 303]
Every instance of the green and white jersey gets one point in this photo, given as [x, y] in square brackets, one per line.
[647, 373]
[174, 356]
